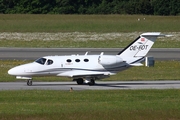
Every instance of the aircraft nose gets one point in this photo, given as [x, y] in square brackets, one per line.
[21, 70]
[16, 71]
[12, 71]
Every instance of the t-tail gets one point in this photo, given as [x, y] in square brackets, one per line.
[135, 52]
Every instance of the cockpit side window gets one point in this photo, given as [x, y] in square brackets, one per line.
[49, 62]
[41, 61]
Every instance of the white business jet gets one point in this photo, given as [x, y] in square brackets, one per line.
[88, 68]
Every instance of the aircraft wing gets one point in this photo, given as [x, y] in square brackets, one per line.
[82, 73]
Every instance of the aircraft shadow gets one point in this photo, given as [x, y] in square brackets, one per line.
[113, 85]
[83, 85]
[34, 84]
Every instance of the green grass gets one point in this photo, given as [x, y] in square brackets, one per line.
[96, 105]
[28, 23]
[163, 70]
[83, 44]
[87, 23]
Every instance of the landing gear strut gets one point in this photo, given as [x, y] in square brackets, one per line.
[29, 82]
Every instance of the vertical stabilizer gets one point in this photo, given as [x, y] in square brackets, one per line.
[135, 51]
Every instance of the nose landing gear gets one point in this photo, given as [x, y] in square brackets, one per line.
[29, 82]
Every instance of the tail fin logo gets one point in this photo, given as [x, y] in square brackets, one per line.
[142, 39]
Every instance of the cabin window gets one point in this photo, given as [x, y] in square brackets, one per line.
[68, 60]
[86, 60]
[49, 62]
[77, 60]
[41, 61]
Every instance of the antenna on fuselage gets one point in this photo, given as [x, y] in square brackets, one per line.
[86, 53]
[102, 53]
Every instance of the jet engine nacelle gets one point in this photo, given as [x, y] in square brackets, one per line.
[110, 60]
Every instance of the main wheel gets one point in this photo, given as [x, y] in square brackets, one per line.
[29, 82]
[80, 81]
[92, 82]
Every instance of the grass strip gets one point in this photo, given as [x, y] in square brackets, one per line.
[96, 105]
[83, 44]
[87, 23]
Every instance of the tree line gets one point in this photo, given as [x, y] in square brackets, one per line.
[146, 7]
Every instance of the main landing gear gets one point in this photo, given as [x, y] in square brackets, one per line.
[92, 82]
[80, 81]
[29, 82]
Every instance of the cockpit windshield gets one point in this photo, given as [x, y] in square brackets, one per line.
[41, 61]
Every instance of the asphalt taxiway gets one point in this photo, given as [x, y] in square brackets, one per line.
[100, 85]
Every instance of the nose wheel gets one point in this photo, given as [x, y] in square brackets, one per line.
[29, 82]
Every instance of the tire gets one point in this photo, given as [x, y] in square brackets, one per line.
[79, 81]
[29, 82]
[92, 82]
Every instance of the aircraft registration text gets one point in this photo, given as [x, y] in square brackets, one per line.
[140, 47]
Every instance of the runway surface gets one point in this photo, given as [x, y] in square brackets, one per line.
[34, 53]
[100, 85]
